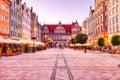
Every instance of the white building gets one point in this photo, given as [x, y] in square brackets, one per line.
[26, 22]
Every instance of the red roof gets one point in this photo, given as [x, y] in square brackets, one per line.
[67, 27]
[52, 27]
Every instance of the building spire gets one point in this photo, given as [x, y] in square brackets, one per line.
[91, 7]
[59, 21]
[76, 21]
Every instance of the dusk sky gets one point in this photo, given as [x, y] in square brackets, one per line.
[66, 11]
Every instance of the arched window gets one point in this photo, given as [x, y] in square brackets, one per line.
[46, 29]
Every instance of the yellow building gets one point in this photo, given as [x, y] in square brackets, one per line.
[113, 18]
[106, 21]
[90, 27]
[4, 18]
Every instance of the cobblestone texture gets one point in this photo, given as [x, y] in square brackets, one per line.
[40, 65]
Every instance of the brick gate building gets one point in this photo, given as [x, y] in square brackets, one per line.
[57, 34]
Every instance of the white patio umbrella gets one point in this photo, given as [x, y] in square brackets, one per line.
[2, 40]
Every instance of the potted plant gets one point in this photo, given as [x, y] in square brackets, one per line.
[9, 51]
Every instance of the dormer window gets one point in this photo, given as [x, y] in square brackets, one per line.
[59, 30]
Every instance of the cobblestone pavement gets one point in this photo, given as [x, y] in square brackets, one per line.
[60, 64]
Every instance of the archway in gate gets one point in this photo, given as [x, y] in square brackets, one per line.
[60, 43]
[56, 44]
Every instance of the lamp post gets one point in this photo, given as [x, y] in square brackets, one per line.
[86, 37]
[33, 38]
[85, 48]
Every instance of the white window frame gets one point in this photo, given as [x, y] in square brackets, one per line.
[3, 6]
[7, 9]
[2, 30]
[3, 17]
[6, 19]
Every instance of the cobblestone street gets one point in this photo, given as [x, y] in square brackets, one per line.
[60, 64]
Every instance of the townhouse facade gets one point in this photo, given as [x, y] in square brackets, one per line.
[13, 20]
[84, 26]
[35, 26]
[113, 18]
[4, 19]
[19, 18]
[98, 21]
[90, 27]
[105, 21]
[76, 28]
[26, 22]
[18, 23]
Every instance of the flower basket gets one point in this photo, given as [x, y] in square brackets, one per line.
[9, 51]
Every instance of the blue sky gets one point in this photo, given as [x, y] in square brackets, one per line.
[66, 11]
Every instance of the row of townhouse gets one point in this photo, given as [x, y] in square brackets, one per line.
[18, 22]
[103, 21]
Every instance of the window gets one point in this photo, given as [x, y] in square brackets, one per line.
[14, 3]
[11, 11]
[101, 28]
[2, 29]
[101, 19]
[96, 30]
[117, 8]
[110, 30]
[109, 12]
[113, 11]
[113, 20]
[113, 29]
[109, 22]
[113, 2]
[117, 28]
[117, 19]
[3, 17]
[6, 9]
[7, 30]
[3, 6]
[6, 19]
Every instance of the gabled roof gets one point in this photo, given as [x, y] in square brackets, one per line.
[52, 27]
[67, 27]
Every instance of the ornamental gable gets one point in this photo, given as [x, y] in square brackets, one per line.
[45, 27]
[60, 27]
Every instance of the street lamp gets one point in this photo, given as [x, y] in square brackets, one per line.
[33, 38]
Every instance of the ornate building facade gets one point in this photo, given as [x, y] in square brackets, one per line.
[90, 27]
[35, 26]
[19, 19]
[84, 26]
[4, 19]
[13, 19]
[113, 18]
[26, 22]
[59, 33]
[98, 20]
[106, 21]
